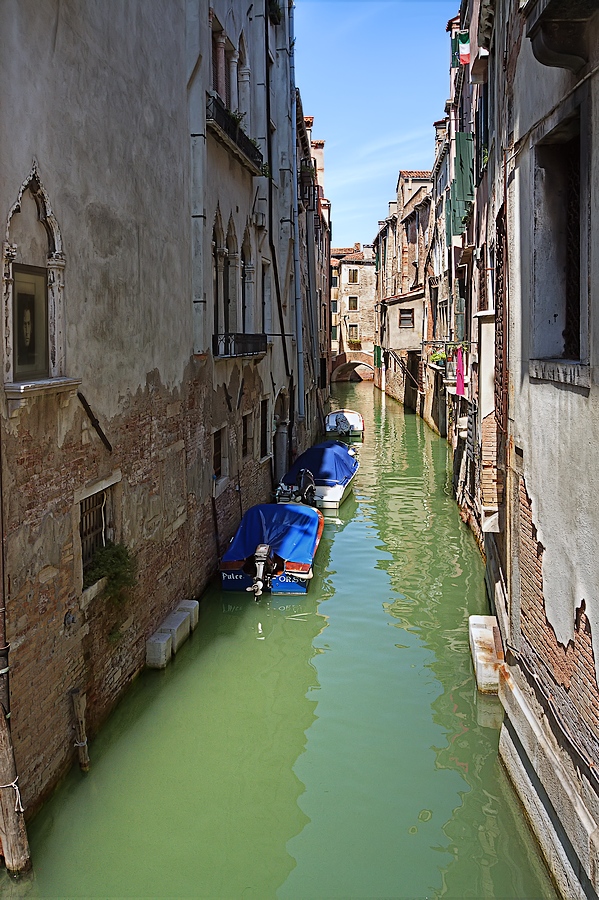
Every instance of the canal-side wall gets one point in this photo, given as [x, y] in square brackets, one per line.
[63, 637]
[134, 228]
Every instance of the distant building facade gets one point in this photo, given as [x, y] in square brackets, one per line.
[353, 303]
[401, 247]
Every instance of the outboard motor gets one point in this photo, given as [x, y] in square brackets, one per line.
[264, 569]
[283, 493]
[306, 488]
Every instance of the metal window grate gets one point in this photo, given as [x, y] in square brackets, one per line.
[92, 526]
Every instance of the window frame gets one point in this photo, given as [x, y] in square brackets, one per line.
[410, 314]
[353, 271]
[111, 487]
[351, 307]
[247, 435]
[19, 393]
[550, 302]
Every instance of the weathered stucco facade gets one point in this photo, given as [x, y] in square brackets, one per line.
[153, 380]
[354, 304]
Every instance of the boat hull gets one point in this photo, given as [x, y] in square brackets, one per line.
[331, 498]
[281, 584]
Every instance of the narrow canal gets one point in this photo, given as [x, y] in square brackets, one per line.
[331, 747]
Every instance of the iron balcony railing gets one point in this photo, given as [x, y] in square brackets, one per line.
[227, 129]
[238, 344]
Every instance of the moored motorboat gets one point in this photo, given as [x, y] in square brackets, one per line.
[332, 465]
[273, 549]
[346, 424]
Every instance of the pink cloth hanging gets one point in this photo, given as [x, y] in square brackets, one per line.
[459, 374]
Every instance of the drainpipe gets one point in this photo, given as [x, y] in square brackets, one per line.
[271, 234]
[299, 325]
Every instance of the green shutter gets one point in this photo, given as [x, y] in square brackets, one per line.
[459, 210]
[377, 356]
[455, 52]
[463, 166]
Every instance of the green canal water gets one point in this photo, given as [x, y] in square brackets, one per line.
[331, 746]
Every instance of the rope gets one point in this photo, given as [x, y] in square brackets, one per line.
[80, 743]
[13, 784]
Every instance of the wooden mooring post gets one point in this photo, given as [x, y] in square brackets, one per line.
[79, 704]
[15, 845]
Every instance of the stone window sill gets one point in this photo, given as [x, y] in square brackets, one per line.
[90, 593]
[20, 394]
[561, 371]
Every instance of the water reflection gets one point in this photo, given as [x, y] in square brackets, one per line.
[192, 791]
[332, 745]
[416, 803]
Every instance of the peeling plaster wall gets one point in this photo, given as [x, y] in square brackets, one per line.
[556, 424]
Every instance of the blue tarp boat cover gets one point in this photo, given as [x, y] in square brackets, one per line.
[290, 529]
[330, 464]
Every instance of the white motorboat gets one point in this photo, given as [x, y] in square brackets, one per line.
[345, 423]
[332, 465]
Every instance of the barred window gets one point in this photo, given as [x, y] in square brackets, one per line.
[92, 526]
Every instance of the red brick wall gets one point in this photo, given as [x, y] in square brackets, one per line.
[572, 666]
[162, 443]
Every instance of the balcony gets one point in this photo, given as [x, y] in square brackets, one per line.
[226, 128]
[238, 344]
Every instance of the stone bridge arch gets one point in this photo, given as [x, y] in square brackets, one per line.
[345, 364]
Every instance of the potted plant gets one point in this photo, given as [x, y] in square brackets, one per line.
[275, 13]
[115, 563]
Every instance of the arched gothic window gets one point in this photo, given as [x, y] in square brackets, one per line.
[33, 287]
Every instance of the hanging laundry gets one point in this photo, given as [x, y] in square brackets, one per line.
[459, 373]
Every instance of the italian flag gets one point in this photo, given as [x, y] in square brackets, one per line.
[464, 47]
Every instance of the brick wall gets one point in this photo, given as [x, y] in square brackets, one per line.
[488, 476]
[572, 666]
[164, 513]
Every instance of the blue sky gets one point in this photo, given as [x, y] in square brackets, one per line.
[375, 76]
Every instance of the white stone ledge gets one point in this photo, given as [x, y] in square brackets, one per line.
[563, 792]
[20, 394]
[562, 371]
